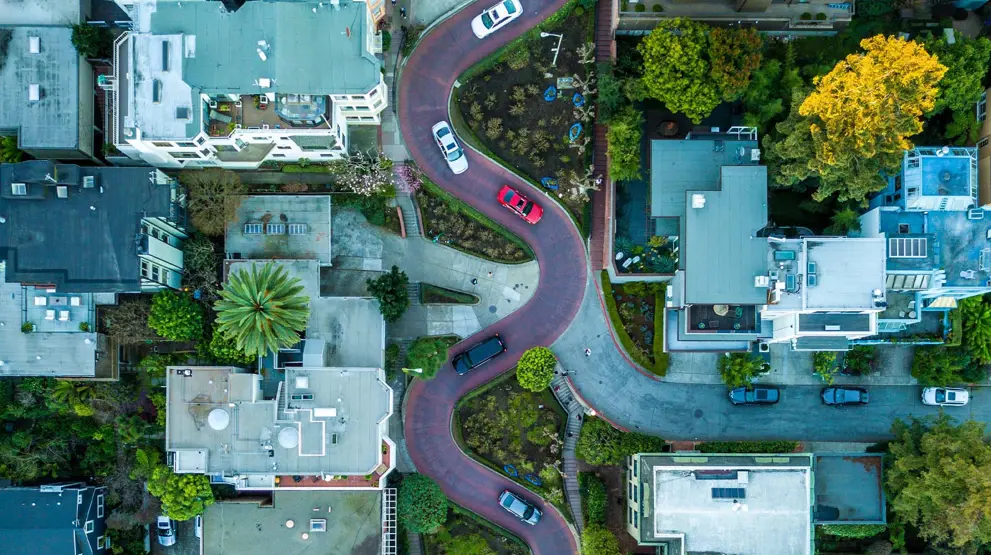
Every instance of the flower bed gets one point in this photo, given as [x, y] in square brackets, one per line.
[639, 325]
[432, 294]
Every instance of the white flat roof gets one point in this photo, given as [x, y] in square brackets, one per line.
[848, 270]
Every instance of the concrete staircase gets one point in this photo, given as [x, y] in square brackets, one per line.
[559, 385]
[405, 203]
[413, 293]
[415, 546]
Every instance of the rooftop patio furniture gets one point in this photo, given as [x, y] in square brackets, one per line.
[49, 315]
[63, 316]
[75, 301]
[40, 300]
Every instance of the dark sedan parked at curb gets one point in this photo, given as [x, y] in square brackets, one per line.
[839, 396]
[478, 354]
[759, 395]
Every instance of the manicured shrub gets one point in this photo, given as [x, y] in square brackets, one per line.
[639, 8]
[535, 369]
[853, 531]
[421, 505]
[390, 291]
[176, 316]
[597, 540]
[428, 354]
[748, 446]
[599, 443]
[594, 498]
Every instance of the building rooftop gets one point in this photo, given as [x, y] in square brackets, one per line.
[748, 505]
[51, 12]
[721, 249]
[282, 226]
[352, 522]
[847, 271]
[679, 166]
[299, 47]
[86, 242]
[49, 520]
[39, 92]
[323, 421]
[848, 488]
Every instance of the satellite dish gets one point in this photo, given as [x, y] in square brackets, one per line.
[288, 437]
[218, 419]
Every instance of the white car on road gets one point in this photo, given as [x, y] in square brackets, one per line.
[449, 147]
[945, 396]
[496, 17]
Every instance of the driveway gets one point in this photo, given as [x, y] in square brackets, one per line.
[186, 541]
[426, 82]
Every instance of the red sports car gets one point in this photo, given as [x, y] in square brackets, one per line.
[520, 205]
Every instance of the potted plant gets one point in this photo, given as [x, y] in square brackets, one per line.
[27, 327]
[807, 16]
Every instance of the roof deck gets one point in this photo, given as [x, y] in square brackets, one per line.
[281, 226]
[257, 112]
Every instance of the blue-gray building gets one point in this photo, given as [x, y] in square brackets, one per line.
[937, 235]
[57, 519]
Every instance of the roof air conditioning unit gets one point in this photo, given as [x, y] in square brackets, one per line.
[89, 181]
[698, 200]
[755, 155]
[62, 191]
[212, 103]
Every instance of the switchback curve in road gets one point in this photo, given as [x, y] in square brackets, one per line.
[444, 53]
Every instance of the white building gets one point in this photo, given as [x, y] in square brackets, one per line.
[197, 85]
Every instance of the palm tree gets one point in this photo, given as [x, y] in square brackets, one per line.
[262, 309]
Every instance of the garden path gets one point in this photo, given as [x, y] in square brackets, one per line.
[559, 385]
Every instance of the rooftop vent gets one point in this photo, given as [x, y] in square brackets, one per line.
[218, 419]
[62, 191]
[19, 189]
[89, 181]
[166, 61]
[698, 200]
[34, 92]
[34, 45]
[182, 112]
[156, 91]
[264, 82]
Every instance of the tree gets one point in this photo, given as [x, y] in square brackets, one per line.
[176, 316]
[976, 317]
[421, 505]
[9, 153]
[263, 309]
[467, 544]
[859, 360]
[824, 365]
[966, 62]
[734, 54]
[770, 91]
[183, 496]
[624, 137]
[365, 174]
[789, 151]
[597, 540]
[535, 370]
[390, 291]
[740, 369]
[155, 364]
[611, 97]
[428, 354]
[91, 41]
[938, 365]
[594, 496]
[599, 443]
[844, 221]
[201, 271]
[675, 69]
[127, 322]
[866, 109]
[223, 349]
[939, 480]
[213, 197]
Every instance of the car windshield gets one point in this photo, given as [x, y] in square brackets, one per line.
[443, 132]
[510, 7]
[453, 155]
[940, 396]
[528, 513]
[487, 20]
[527, 208]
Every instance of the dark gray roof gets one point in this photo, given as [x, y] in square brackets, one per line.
[822, 343]
[818, 321]
[52, 122]
[36, 522]
[83, 243]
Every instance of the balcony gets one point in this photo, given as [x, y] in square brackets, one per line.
[251, 112]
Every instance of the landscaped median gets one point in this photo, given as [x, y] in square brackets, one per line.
[636, 310]
[434, 294]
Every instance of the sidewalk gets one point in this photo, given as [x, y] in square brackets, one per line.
[502, 288]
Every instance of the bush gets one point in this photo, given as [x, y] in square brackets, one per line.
[412, 36]
[594, 498]
[27, 327]
[657, 8]
[748, 446]
[390, 291]
[820, 16]
[610, 96]
[222, 349]
[535, 370]
[941, 366]
[421, 506]
[853, 531]
[428, 354]
[597, 540]
[176, 316]
[740, 369]
[156, 364]
[386, 41]
[806, 16]
[518, 57]
[640, 8]
[183, 496]
[859, 360]
[824, 365]
[599, 443]
[624, 138]
[91, 41]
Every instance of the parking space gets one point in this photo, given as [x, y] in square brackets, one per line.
[186, 541]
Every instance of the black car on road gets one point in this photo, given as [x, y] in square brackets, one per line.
[478, 354]
[758, 395]
[839, 396]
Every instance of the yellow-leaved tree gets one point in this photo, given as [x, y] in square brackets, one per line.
[862, 113]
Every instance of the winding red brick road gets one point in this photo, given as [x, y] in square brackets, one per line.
[442, 55]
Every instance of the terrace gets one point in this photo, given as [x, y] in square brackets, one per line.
[57, 312]
[722, 318]
[286, 111]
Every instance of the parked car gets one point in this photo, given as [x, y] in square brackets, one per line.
[845, 396]
[945, 396]
[496, 17]
[198, 526]
[478, 354]
[450, 148]
[519, 507]
[759, 395]
[165, 528]
[523, 207]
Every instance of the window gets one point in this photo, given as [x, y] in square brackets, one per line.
[297, 229]
[278, 156]
[275, 229]
[99, 506]
[186, 145]
[89, 527]
[99, 543]
[374, 93]
[908, 247]
[631, 491]
[156, 91]
[252, 229]
[982, 143]
[982, 107]
[145, 270]
[184, 155]
[634, 494]
[18, 189]
[635, 465]
[636, 519]
[285, 147]
[631, 515]
[155, 275]
[163, 144]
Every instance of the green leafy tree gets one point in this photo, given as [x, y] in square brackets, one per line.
[183, 496]
[213, 197]
[787, 152]
[939, 480]
[844, 221]
[610, 96]
[676, 70]
[734, 53]
[391, 292]
[624, 137]
[938, 365]
[740, 369]
[963, 129]
[91, 41]
[976, 316]
[155, 364]
[176, 316]
[824, 365]
[859, 360]
[599, 443]
[966, 62]
[421, 505]
[597, 540]
[427, 354]
[9, 153]
[595, 499]
[222, 349]
[467, 544]
[263, 309]
[535, 370]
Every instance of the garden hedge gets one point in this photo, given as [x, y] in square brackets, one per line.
[748, 446]
[853, 531]
[594, 497]
[660, 365]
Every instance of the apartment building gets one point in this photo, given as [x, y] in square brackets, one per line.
[774, 17]
[54, 519]
[196, 84]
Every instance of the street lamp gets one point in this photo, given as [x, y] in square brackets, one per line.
[557, 49]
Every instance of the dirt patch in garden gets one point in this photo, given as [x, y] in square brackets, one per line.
[505, 107]
[461, 525]
[636, 311]
[446, 222]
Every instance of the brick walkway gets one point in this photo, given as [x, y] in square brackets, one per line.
[605, 51]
